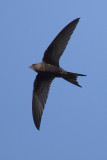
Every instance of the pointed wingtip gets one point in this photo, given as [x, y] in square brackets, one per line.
[79, 86]
[38, 127]
[77, 19]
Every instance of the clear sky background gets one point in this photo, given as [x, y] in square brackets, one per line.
[74, 123]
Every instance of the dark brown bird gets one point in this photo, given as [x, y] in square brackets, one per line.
[48, 69]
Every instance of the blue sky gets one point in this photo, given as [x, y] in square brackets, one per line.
[74, 123]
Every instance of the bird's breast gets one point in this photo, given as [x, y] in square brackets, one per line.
[48, 68]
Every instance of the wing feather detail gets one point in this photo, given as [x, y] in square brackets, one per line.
[40, 93]
[58, 45]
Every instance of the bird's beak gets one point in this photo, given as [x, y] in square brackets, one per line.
[31, 67]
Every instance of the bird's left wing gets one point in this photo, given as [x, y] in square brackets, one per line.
[40, 94]
[56, 48]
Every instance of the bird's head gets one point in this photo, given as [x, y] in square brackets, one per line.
[36, 67]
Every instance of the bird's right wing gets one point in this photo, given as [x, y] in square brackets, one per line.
[57, 47]
[40, 94]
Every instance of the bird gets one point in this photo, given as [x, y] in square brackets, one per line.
[49, 69]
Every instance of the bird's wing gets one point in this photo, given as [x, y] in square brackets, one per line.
[40, 94]
[56, 48]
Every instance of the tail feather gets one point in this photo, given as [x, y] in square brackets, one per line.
[72, 78]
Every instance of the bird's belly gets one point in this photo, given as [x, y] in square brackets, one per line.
[51, 69]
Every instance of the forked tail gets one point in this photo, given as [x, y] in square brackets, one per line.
[72, 78]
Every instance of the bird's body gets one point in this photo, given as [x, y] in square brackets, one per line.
[48, 69]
